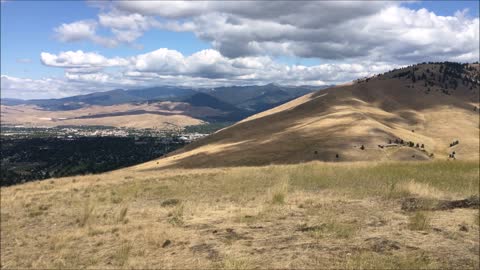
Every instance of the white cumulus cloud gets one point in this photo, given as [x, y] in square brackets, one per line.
[89, 71]
[80, 59]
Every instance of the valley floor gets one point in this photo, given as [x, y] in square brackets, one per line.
[314, 215]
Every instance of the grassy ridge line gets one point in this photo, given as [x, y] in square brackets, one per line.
[426, 104]
[314, 215]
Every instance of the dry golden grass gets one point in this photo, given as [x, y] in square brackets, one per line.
[423, 190]
[336, 215]
[176, 114]
[306, 216]
[339, 120]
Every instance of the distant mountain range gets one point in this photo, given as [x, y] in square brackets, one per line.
[108, 98]
[421, 112]
[222, 104]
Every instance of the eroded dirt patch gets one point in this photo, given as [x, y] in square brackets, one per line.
[413, 204]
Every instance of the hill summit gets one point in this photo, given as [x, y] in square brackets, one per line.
[420, 112]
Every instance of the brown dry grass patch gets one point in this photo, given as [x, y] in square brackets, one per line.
[311, 215]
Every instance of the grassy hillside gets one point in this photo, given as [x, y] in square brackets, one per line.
[432, 105]
[157, 107]
[161, 115]
[314, 215]
[383, 211]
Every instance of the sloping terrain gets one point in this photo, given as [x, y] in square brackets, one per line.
[303, 216]
[107, 98]
[162, 115]
[257, 98]
[158, 107]
[378, 118]
[345, 215]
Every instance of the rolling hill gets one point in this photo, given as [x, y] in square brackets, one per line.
[258, 98]
[316, 215]
[107, 98]
[158, 107]
[414, 113]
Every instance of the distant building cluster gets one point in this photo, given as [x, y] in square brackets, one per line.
[71, 133]
[96, 133]
[190, 137]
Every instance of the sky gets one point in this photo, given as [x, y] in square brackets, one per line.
[54, 49]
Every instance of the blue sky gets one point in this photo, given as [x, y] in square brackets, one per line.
[276, 41]
[447, 8]
[25, 38]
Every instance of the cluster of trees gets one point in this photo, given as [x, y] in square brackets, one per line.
[397, 141]
[454, 143]
[449, 73]
[450, 76]
[410, 143]
[417, 145]
[452, 155]
[40, 158]
[207, 128]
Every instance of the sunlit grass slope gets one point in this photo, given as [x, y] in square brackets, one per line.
[313, 215]
[429, 104]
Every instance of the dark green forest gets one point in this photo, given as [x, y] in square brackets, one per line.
[28, 159]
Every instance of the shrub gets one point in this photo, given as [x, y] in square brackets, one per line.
[236, 263]
[278, 198]
[170, 202]
[176, 215]
[279, 193]
[85, 215]
[122, 254]
[420, 221]
[122, 214]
